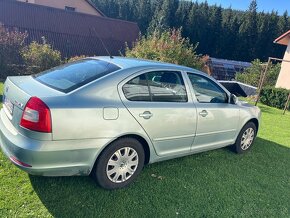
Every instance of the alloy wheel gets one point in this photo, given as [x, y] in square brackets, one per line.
[247, 138]
[122, 165]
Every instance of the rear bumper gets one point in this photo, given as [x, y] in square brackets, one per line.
[49, 158]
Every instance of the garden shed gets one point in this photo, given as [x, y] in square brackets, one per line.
[223, 69]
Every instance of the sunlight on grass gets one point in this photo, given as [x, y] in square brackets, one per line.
[274, 125]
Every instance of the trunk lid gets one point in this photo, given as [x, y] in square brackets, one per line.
[17, 91]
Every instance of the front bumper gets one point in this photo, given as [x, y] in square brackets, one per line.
[49, 158]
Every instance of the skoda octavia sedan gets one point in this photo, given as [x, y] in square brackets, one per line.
[108, 117]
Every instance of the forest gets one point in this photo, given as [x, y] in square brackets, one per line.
[219, 32]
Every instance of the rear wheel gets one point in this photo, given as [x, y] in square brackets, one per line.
[245, 138]
[119, 164]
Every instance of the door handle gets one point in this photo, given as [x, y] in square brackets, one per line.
[146, 115]
[203, 113]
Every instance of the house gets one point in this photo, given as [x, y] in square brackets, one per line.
[284, 76]
[71, 32]
[82, 6]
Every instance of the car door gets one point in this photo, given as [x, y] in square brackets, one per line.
[217, 120]
[158, 100]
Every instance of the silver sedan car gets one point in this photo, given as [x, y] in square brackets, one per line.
[108, 117]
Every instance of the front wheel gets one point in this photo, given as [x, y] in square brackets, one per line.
[119, 164]
[245, 138]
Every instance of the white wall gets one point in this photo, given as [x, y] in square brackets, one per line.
[284, 76]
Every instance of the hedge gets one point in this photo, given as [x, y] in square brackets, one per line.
[274, 97]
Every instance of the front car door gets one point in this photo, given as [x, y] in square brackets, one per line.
[217, 119]
[159, 102]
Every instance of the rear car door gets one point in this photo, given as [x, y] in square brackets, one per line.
[159, 102]
[217, 120]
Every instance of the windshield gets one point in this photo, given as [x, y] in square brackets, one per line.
[69, 77]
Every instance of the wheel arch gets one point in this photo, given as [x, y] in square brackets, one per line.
[255, 121]
[252, 120]
[139, 138]
[143, 142]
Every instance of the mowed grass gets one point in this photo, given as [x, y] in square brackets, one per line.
[212, 184]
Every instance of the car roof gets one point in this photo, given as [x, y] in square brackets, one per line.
[125, 62]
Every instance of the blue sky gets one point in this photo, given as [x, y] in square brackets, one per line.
[263, 5]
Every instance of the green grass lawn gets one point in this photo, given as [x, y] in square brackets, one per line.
[212, 184]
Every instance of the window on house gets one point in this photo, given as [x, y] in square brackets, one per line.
[67, 8]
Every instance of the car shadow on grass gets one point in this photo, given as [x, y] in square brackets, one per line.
[214, 183]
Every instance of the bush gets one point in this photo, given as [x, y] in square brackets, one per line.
[252, 74]
[39, 57]
[274, 97]
[11, 42]
[168, 46]
[75, 58]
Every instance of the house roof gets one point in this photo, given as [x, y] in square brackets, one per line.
[283, 39]
[93, 5]
[70, 32]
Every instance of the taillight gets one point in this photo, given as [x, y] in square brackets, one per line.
[36, 116]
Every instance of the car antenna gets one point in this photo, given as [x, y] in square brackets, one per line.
[103, 44]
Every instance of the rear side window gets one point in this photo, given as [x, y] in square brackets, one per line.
[167, 86]
[157, 86]
[69, 77]
[137, 89]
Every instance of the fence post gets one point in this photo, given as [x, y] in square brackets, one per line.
[262, 82]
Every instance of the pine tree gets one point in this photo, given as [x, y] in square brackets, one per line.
[216, 30]
[224, 33]
[283, 23]
[181, 14]
[143, 13]
[248, 33]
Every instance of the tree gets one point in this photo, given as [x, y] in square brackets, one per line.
[144, 14]
[181, 13]
[222, 33]
[40, 57]
[229, 40]
[168, 46]
[11, 42]
[164, 13]
[283, 23]
[252, 74]
[248, 33]
[216, 33]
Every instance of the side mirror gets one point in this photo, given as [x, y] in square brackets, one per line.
[233, 99]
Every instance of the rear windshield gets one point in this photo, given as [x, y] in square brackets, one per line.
[69, 77]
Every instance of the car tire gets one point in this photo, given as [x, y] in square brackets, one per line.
[245, 138]
[119, 164]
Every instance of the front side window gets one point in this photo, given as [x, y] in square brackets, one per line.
[206, 91]
[159, 86]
